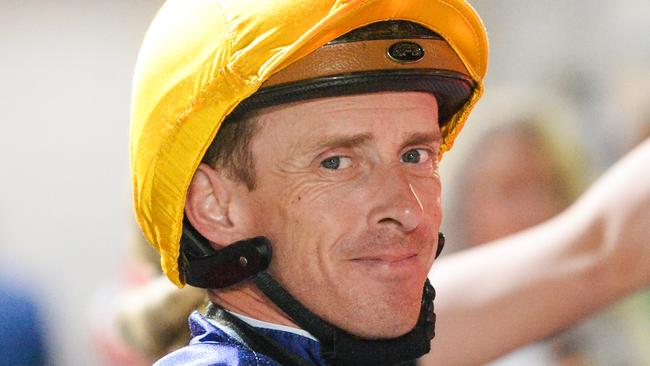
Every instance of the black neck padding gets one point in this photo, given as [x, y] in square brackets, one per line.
[339, 347]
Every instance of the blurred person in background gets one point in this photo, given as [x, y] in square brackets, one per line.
[529, 285]
[534, 166]
[620, 335]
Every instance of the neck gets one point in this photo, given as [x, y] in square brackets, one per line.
[247, 300]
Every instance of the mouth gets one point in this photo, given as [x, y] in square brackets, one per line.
[387, 258]
[391, 264]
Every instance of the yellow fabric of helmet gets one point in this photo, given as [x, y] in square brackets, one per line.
[200, 58]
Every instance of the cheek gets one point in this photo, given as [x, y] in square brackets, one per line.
[315, 201]
[330, 209]
[428, 192]
[308, 221]
[308, 216]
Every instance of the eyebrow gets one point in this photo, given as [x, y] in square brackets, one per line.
[359, 139]
[421, 138]
[343, 141]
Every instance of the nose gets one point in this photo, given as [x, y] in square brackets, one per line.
[396, 202]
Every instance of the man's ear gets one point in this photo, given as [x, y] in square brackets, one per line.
[208, 206]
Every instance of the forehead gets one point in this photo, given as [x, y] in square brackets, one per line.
[386, 113]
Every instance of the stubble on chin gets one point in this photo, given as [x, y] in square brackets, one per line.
[379, 307]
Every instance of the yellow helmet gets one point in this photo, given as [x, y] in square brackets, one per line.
[203, 59]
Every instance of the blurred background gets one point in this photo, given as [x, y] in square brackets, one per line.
[569, 77]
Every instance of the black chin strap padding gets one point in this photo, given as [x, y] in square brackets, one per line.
[441, 244]
[204, 267]
[427, 310]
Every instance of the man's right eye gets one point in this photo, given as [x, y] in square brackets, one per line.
[336, 162]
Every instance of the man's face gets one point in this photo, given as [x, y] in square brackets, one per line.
[348, 191]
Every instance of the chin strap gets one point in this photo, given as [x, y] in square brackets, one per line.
[339, 347]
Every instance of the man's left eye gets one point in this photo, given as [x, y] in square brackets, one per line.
[415, 156]
[336, 163]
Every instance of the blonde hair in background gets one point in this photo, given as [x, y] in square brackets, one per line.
[554, 120]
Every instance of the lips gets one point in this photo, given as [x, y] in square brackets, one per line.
[387, 257]
[390, 267]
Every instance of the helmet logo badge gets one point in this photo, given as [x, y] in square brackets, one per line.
[405, 52]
